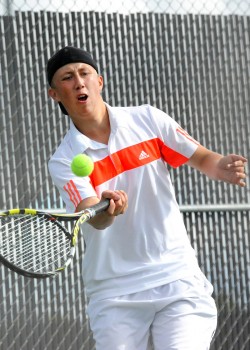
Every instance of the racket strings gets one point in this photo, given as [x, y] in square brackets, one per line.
[20, 235]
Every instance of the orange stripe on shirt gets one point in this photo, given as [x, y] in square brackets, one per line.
[73, 193]
[186, 134]
[67, 189]
[123, 160]
[133, 157]
[170, 156]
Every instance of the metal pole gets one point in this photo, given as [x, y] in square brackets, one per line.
[8, 7]
[215, 207]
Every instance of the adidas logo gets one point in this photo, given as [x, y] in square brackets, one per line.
[143, 155]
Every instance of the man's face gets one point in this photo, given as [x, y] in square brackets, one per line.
[78, 87]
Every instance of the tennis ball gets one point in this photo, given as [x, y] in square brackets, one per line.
[82, 165]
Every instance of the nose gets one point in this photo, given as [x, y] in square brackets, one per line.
[79, 81]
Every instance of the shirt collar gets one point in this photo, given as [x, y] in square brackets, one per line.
[80, 142]
[117, 117]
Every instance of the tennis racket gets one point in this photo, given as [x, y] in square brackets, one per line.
[36, 244]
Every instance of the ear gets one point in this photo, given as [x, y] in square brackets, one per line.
[52, 93]
[100, 80]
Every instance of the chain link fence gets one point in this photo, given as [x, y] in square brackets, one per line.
[212, 7]
[188, 58]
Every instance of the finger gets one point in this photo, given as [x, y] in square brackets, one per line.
[242, 183]
[122, 203]
[240, 175]
[237, 164]
[111, 208]
[111, 195]
[237, 161]
[236, 157]
[122, 196]
[240, 179]
[239, 171]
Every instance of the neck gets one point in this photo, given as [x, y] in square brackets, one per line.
[96, 126]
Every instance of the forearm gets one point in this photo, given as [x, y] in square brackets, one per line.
[102, 221]
[208, 164]
[118, 205]
[230, 168]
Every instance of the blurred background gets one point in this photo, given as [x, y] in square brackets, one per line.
[188, 58]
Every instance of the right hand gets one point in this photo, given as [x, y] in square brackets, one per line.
[118, 202]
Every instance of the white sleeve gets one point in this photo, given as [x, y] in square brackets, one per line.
[178, 146]
[73, 189]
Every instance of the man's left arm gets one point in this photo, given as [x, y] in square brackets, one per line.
[230, 168]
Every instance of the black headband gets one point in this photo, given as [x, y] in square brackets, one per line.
[65, 56]
[68, 55]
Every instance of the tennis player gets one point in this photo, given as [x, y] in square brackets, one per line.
[140, 271]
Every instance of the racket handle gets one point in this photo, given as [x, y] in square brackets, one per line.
[99, 207]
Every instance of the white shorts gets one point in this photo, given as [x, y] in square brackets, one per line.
[179, 316]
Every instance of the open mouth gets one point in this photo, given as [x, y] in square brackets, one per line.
[82, 98]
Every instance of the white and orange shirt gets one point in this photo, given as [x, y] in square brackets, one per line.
[147, 246]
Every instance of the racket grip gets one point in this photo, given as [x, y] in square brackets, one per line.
[101, 206]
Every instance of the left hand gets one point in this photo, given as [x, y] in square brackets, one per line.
[231, 169]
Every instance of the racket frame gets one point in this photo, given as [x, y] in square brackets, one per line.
[79, 218]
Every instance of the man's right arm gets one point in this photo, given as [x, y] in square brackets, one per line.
[118, 205]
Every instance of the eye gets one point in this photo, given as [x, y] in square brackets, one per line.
[67, 77]
[85, 74]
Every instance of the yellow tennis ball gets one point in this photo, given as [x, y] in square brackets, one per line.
[82, 165]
